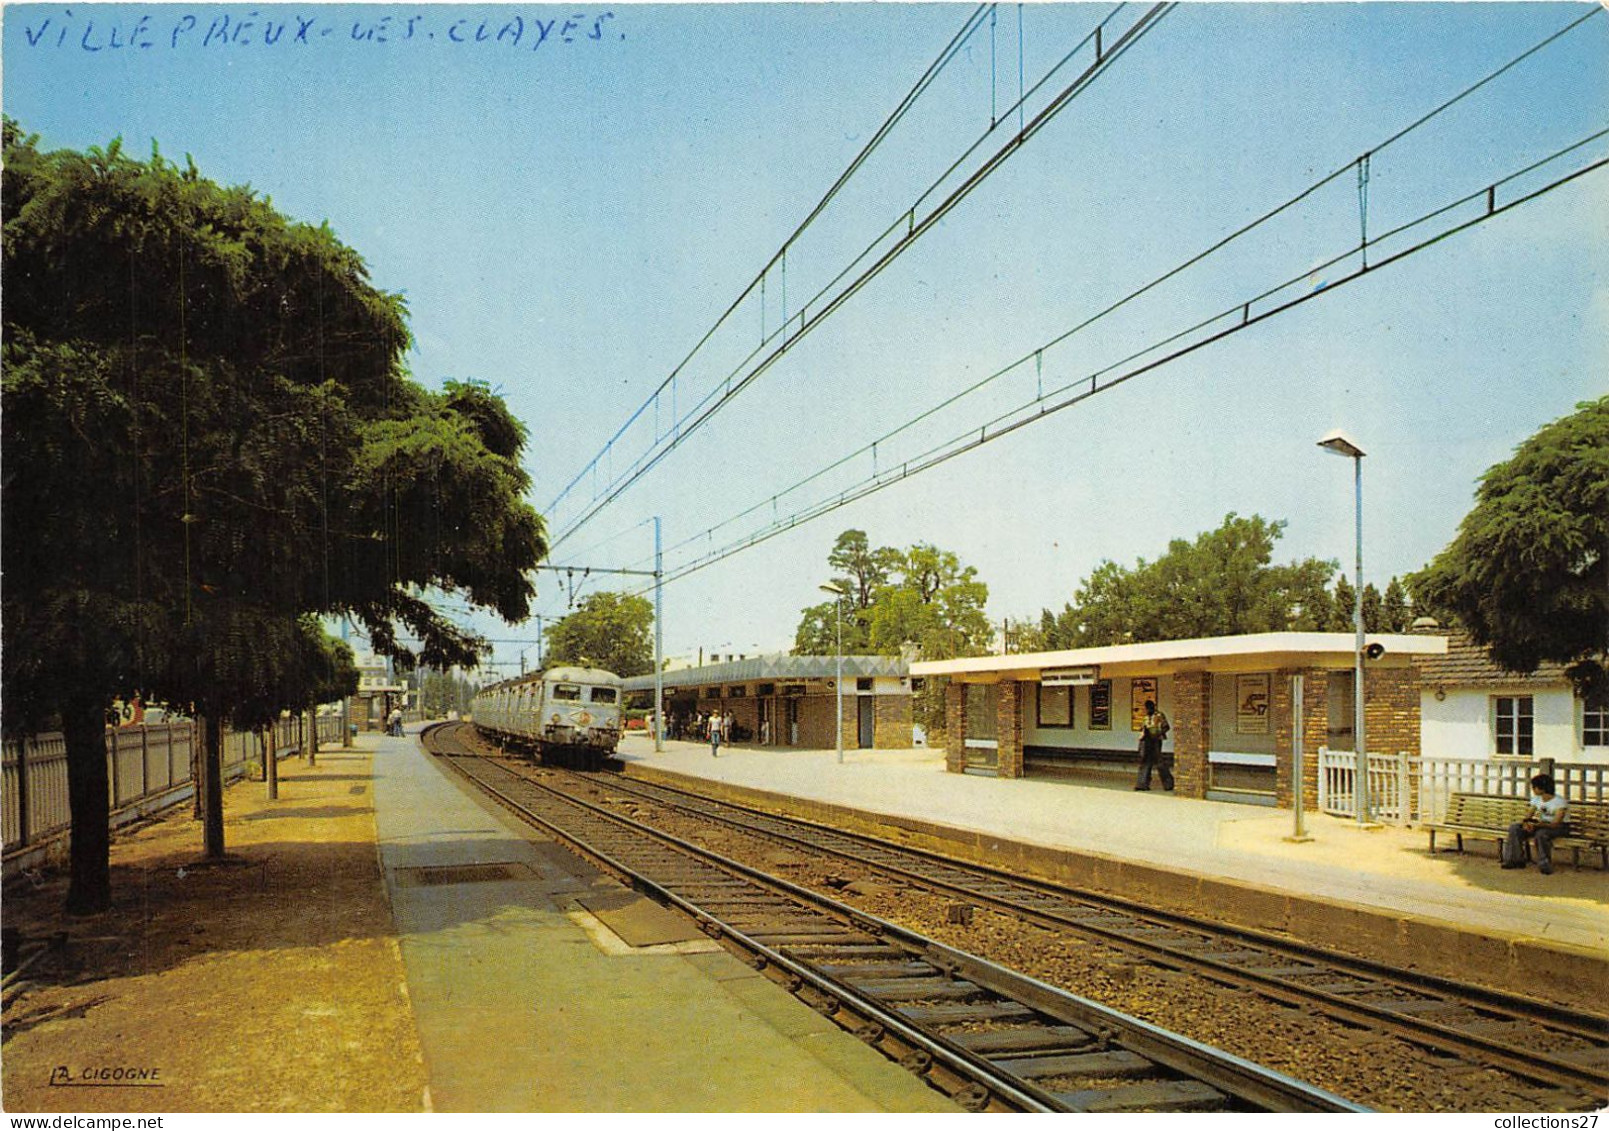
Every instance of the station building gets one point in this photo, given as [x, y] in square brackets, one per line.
[1231, 700]
[1474, 709]
[782, 700]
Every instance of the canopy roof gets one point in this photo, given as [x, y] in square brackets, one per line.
[1251, 652]
[779, 666]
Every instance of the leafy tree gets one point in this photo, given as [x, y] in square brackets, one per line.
[613, 631]
[1396, 613]
[1528, 574]
[1223, 583]
[441, 692]
[921, 598]
[935, 603]
[861, 572]
[208, 433]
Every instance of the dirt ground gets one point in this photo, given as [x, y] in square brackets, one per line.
[270, 983]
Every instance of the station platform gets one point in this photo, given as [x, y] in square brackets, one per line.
[1376, 891]
[539, 984]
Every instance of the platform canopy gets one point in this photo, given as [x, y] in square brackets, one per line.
[1252, 652]
[778, 667]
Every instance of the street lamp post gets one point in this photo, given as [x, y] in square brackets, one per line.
[838, 687]
[1342, 445]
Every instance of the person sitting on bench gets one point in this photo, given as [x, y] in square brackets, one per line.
[1543, 824]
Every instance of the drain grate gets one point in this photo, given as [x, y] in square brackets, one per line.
[461, 874]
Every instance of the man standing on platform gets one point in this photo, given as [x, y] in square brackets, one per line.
[715, 734]
[1152, 732]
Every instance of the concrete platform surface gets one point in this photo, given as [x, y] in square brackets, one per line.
[525, 1000]
[1378, 879]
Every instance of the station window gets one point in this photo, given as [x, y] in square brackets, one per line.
[738, 692]
[863, 684]
[766, 689]
[1595, 725]
[1513, 725]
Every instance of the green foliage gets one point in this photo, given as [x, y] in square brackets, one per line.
[208, 435]
[441, 692]
[612, 631]
[1528, 574]
[921, 598]
[1223, 583]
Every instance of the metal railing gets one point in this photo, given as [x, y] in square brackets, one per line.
[1403, 789]
[147, 768]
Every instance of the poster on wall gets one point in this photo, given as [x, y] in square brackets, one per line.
[1139, 691]
[1055, 706]
[1100, 705]
[1251, 704]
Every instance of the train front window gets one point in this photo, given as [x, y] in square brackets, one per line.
[605, 695]
[568, 692]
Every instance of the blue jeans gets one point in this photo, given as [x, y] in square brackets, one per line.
[1544, 835]
[715, 743]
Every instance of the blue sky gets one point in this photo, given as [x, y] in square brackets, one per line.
[569, 208]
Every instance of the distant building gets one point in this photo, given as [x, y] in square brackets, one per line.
[782, 700]
[379, 690]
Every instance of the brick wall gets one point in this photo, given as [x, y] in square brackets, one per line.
[955, 727]
[891, 729]
[1391, 710]
[1315, 730]
[746, 714]
[818, 724]
[1315, 715]
[1192, 730]
[1008, 727]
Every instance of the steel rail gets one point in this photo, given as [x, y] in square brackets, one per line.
[1238, 1080]
[1444, 1037]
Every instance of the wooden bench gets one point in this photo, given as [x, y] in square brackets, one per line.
[1486, 817]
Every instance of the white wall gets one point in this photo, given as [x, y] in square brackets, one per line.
[1080, 736]
[1460, 726]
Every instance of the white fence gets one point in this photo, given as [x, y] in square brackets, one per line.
[1404, 789]
[147, 768]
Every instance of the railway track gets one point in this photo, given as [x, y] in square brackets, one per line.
[991, 1038]
[1549, 1046]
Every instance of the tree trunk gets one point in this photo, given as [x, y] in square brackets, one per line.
[312, 737]
[89, 889]
[212, 785]
[198, 764]
[270, 742]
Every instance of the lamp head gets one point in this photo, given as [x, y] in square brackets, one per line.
[1341, 444]
[835, 590]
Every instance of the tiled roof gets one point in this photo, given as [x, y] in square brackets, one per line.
[1468, 664]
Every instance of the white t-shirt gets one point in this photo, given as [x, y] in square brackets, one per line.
[715, 725]
[1550, 810]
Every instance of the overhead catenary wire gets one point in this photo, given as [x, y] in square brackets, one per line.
[1007, 423]
[1036, 355]
[723, 391]
[934, 69]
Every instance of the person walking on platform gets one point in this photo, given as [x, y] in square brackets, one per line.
[729, 728]
[1544, 824]
[1152, 732]
[715, 734]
